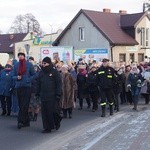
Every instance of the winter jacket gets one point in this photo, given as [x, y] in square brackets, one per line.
[49, 85]
[105, 77]
[6, 82]
[27, 78]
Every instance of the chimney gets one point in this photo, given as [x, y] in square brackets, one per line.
[122, 11]
[106, 10]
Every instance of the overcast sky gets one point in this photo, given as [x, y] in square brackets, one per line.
[55, 14]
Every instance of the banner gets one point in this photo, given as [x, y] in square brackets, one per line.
[62, 53]
[91, 54]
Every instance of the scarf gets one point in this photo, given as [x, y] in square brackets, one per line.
[22, 67]
[83, 72]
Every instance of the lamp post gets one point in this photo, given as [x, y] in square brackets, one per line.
[27, 47]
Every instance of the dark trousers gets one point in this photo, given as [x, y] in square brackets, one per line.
[107, 96]
[94, 98]
[88, 101]
[23, 96]
[123, 95]
[50, 114]
[147, 98]
[6, 103]
[116, 100]
[129, 97]
[65, 111]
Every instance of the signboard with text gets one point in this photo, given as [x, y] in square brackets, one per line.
[91, 54]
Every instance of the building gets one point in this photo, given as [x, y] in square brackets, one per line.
[7, 45]
[35, 44]
[125, 37]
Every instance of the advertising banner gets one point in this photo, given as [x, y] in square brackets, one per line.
[91, 54]
[62, 53]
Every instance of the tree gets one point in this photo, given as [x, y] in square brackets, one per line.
[24, 24]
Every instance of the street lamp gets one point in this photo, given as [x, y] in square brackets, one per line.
[27, 47]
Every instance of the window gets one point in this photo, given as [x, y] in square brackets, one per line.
[81, 34]
[147, 37]
[122, 57]
[142, 36]
[140, 57]
[132, 57]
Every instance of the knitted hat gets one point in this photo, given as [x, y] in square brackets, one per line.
[8, 66]
[47, 60]
[21, 53]
[31, 58]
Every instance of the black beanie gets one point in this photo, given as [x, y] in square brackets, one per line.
[8, 66]
[47, 60]
[21, 53]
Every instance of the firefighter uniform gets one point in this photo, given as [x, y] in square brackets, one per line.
[105, 77]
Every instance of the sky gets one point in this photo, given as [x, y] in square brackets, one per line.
[56, 14]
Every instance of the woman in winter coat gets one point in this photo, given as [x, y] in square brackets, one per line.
[127, 91]
[82, 86]
[68, 89]
[6, 84]
[117, 88]
[145, 90]
[134, 84]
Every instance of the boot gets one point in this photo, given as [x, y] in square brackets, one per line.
[64, 113]
[30, 116]
[135, 106]
[111, 109]
[35, 117]
[103, 111]
[3, 113]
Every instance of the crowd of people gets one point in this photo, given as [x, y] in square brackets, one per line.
[54, 88]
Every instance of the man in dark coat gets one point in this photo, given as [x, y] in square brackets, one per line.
[49, 89]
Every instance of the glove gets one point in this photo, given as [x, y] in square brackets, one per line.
[37, 97]
[129, 87]
[58, 98]
[139, 83]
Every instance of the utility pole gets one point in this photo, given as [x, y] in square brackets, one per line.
[28, 26]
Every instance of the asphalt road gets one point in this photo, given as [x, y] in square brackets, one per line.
[126, 130]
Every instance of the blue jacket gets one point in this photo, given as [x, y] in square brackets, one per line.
[6, 82]
[27, 78]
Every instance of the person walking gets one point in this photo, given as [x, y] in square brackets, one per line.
[69, 86]
[135, 80]
[82, 87]
[93, 87]
[105, 80]
[5, 89]
[23, 74]
[49, 89]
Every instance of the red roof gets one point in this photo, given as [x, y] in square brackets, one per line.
[7, 41]
[111, 25]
